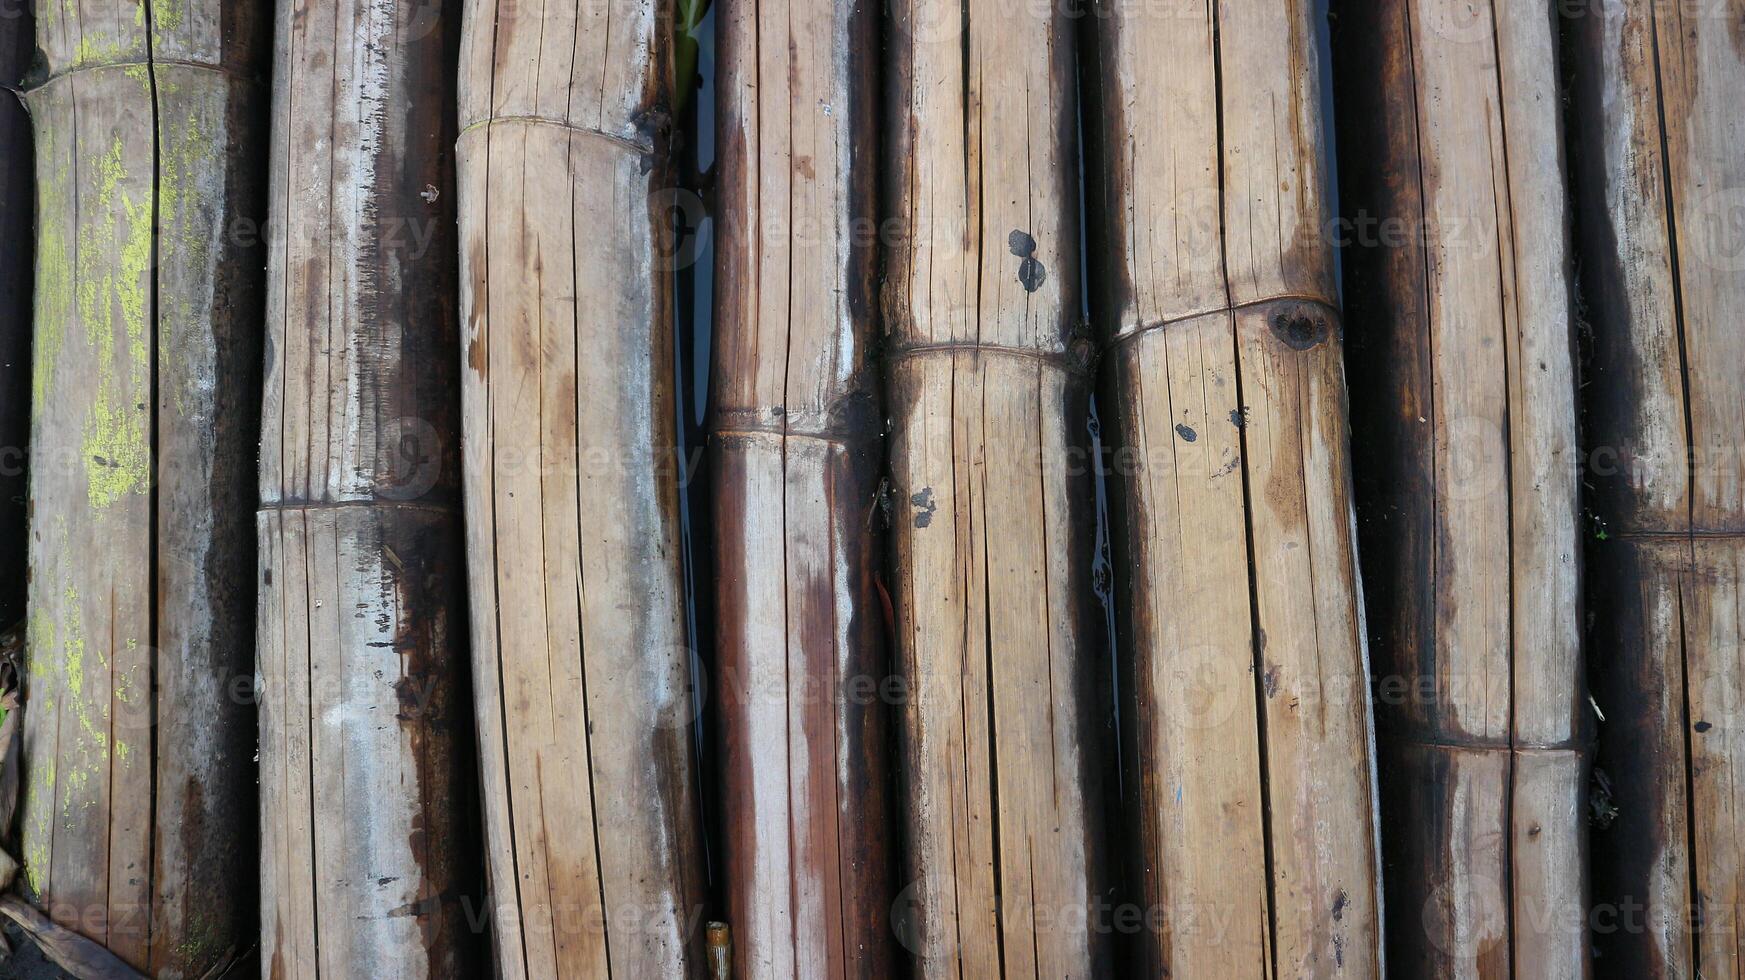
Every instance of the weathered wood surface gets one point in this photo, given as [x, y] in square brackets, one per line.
[580, 651]
[1660, 190]
[17, 209]
[138, 827]
[801, 678]
[1003, 723]
[1459, 301]
[365, 727]
[1246, 726]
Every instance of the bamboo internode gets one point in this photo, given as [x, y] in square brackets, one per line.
[1460, 318]
[1660, 179]
[580, 653]
[137, 739]
[801, 633]
[364, 734]
[1246, 727]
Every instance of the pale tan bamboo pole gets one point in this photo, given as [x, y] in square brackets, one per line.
[581, 661]
[987, 391]
[1459, 293]
[137, 826]
[1247, 724]
[365, 860]
[1659, 154]
[801, 674]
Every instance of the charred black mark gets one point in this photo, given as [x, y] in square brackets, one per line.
[1030, 271]
[1187, 433]
[1239, 417]
[1299, 331]
[1339, 902]
[1702, 726]
[924, 506]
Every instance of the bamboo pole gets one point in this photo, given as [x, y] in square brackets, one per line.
[1246, 725]
[797, 455]
[1660, 181]
[1460, 312]
[138, 733]
[365, 856]
[580, 655]
[17, 210]
[987, 389]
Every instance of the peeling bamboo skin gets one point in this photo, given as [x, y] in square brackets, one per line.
[1004, 729]
[581, 660]
[17, 210]
[802, 666]
[1459, 294]
[365, 755]
[139, 742]
[1235, 564]
[1659, 191]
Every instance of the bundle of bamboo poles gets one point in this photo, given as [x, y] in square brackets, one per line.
[580, 652]
[365, 763]
[801, 673]
[1659, 161]
[1461, 329]
[1246, 727]
[137, 745]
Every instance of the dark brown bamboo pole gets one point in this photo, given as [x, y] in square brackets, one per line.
[1660, 187]
[364, 726]
[1247, 724]
[1003, 727]
[138, 731]
[17, 210]
[1459, 291]
[802, 668]
[580, 653]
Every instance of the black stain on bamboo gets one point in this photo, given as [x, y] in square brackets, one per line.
[1031, 272]
[925, 506]
[1186, 432]
[1298, 330]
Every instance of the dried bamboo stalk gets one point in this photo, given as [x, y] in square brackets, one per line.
[580, 653]
[1460, 311]
[1247, 722]
[797, 454]
[364, 720]
[137, 828]
[17, 209]
[1003, 724]
[1660, 184]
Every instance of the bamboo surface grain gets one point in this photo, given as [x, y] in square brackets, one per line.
[802, 669]
[17, 209]
[364, 718]
[1246, 728]
[136, 829]
[1660, 192]
[581, 659]
[1460, 305]
[1004, 730]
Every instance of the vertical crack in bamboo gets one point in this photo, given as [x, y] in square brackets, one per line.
[1660, 191]
[364, 713]
[17, 44]
[581, 662]
[995, 512]
[1460, 292]
[138, 741]
[796, 456]
[1252, 803]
